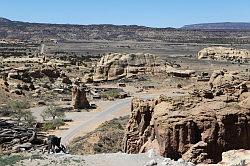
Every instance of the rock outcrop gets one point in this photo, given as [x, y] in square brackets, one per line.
[178, 73]
[196, 129]
[79, 99]
[224, 53]
[118, 65]
[14, 138]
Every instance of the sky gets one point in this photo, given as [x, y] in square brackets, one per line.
[153, 13]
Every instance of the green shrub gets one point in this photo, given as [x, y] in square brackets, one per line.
[111, 94]
[53, 112]
[53, 124]
[48, 125]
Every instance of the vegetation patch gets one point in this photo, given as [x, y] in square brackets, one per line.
[53, 117]
[11, 160]
[111, 94]
[107, 138]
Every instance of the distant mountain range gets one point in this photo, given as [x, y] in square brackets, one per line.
[220, 26]
[197, 33]
[202, 26]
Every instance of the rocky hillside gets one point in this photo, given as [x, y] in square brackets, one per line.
[65, 32]
[198, 127]
[220, 26]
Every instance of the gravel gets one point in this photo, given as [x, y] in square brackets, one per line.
[112, 159]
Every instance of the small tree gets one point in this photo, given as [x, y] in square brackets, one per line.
[53, 112]
[57, 116]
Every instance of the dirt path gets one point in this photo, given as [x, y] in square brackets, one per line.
[110, 111]
[84, 122]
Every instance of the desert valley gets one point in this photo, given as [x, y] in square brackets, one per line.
[124, 95]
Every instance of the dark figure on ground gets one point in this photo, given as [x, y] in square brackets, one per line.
[53, 142]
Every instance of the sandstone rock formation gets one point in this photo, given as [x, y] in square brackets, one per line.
[79, 99]
[193, 128]
[227, 84]
[224, 53]
[117, 65]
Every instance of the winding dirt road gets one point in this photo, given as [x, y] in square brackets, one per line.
[84, 122]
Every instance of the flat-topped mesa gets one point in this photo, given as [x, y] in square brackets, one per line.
[79, 99]
[118, 65]
[225, 53]
[193, 128]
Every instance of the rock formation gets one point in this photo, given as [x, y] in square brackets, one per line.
[178, 73]
[194, 128]
[224, 53]
[79, 99]
[117, 65]
[14, 138]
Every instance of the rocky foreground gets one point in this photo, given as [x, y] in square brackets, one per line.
[230, 158]
[112, 159]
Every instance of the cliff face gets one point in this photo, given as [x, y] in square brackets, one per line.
[198, 135]
[193, 128]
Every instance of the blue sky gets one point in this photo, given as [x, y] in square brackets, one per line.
[155, 13]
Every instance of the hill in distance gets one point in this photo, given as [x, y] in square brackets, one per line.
[202, 26]
[4, 20]
[218, 26]
[207, 33]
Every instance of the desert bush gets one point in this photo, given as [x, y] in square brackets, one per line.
[19, 111]
[55, 115]
[53, 112]
[114, 93]
[53, 124]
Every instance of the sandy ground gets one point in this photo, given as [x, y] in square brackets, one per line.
[114, 159]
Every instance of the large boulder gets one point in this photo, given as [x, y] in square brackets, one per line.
[245, 101]
[229, 82]
[117, 65]
[225, 53]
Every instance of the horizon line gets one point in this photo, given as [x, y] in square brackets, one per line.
[146, 26]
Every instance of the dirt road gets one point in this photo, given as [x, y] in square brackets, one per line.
[110, 110]
[84, 122]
